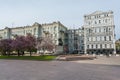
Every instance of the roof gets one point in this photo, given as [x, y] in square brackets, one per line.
[36, 24]
[98, 12]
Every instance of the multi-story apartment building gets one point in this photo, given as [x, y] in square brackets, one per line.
[9, 33]
[55, 30]
[99, 32]
[75, 40]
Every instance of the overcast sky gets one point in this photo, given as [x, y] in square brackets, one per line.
[15, 13]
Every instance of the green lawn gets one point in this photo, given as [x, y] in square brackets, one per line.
[38, 58]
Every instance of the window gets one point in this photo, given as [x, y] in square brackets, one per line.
[99, 21]
[105, 45]
[106, 15]
[96, 46]
[88, 46]
[100, 38]
[106, 21]
[89, 31]
[95, 22]
[100, 45]
[96, 38]
[92, 46]
[93, 38]
[110, 46]
[106, 29]
[109, 29]
[109, 38]
[105, 38]
[88, 39]
[99, 29]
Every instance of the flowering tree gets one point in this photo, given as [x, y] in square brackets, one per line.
[5, 46]
[18, 44]
[45, 43]
[30, 43]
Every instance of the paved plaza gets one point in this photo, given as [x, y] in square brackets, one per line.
[61, 70]
[112, 60]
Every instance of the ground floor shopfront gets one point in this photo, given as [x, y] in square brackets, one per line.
[100, 51]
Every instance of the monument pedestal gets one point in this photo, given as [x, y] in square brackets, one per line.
[59, 50]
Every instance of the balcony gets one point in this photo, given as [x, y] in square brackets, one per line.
[61, 31]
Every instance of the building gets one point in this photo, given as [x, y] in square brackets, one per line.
[76, 40]
[55, 30]
[99, 33]
[9, 33]
[96, 36]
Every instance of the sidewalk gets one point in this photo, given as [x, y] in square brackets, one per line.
[112, 60]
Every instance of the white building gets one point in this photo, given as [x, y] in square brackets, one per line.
[99, 33]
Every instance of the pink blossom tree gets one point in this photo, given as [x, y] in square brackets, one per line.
[5, 46]
[18, 44]
[30, 43]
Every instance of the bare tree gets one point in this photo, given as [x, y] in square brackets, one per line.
[45, 44]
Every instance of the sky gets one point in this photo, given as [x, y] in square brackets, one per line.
[15, 13]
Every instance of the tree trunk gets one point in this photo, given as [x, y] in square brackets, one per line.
[23, 53]
[30, 53]
[4, 52]
[18, 53]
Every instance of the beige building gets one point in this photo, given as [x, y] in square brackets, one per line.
[55, 30]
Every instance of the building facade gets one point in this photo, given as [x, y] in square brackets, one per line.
[55, 30]
[9, 33]
[99, 32]
[76, 40]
